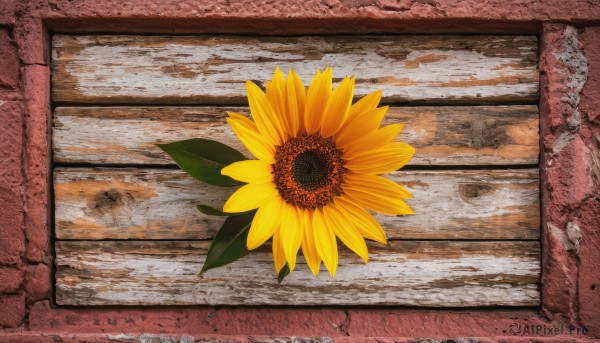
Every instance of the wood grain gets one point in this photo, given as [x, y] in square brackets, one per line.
[435, 258]
[414, 273]
[464, 135]
[106, 203]
[212, 70]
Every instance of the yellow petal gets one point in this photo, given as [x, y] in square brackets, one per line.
[387, 159]
[376, 184]
[372, 141]
[240, 116]
[265, 222]
[296, 96]
[249, 171]
[278, 255]
[377, 202]
[346, 232]
[276, 94]
[249, 135]
[308, 245]
[366, 103]
[363, 220]
[267, 120]
[366, 122]
[338, 105]
[249, 197]
[325, 242]
[277, 98]
[291, 233]
[316, 99]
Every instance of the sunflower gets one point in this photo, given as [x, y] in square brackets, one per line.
[317, 169]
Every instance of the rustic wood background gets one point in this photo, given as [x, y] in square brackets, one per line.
[126, 225]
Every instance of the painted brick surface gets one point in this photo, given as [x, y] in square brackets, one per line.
[586, 224]
[9, 62]
[36, 94]
[12, 244]
[570, 121]
[196, 321]
[570, 174]
[12, 239]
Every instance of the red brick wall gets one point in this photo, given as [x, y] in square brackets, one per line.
[570, 130]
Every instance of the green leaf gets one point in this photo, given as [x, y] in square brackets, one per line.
[211, 150]
[203, 159]
[285, 271]
[211, 211]
[230, 242]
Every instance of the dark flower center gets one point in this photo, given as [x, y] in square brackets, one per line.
[309, 171]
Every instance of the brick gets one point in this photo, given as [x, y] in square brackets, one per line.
[32, 40]
[588, 215]
[11, 279]
[128, 338]
[11, 131]
[7, 12]
[565, 165]
[13, 310]
[36, 80]
[12, 240]
[590, 95]
[296, 322]
[27, 338]
[192, 321]
[38, 283]
[398, 323]
[9, 62]
[589, 269]
[351, 10]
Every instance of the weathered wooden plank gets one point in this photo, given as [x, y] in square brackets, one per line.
[202, 69]
[465, 135]
[415, 273]
[160, 204]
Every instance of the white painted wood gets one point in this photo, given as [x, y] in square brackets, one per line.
[201, 69]
[160, 204]
[155, 206]
[463, 135]
[432, 274]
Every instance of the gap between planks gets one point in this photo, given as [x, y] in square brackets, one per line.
[405, 168]
[244, 103]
